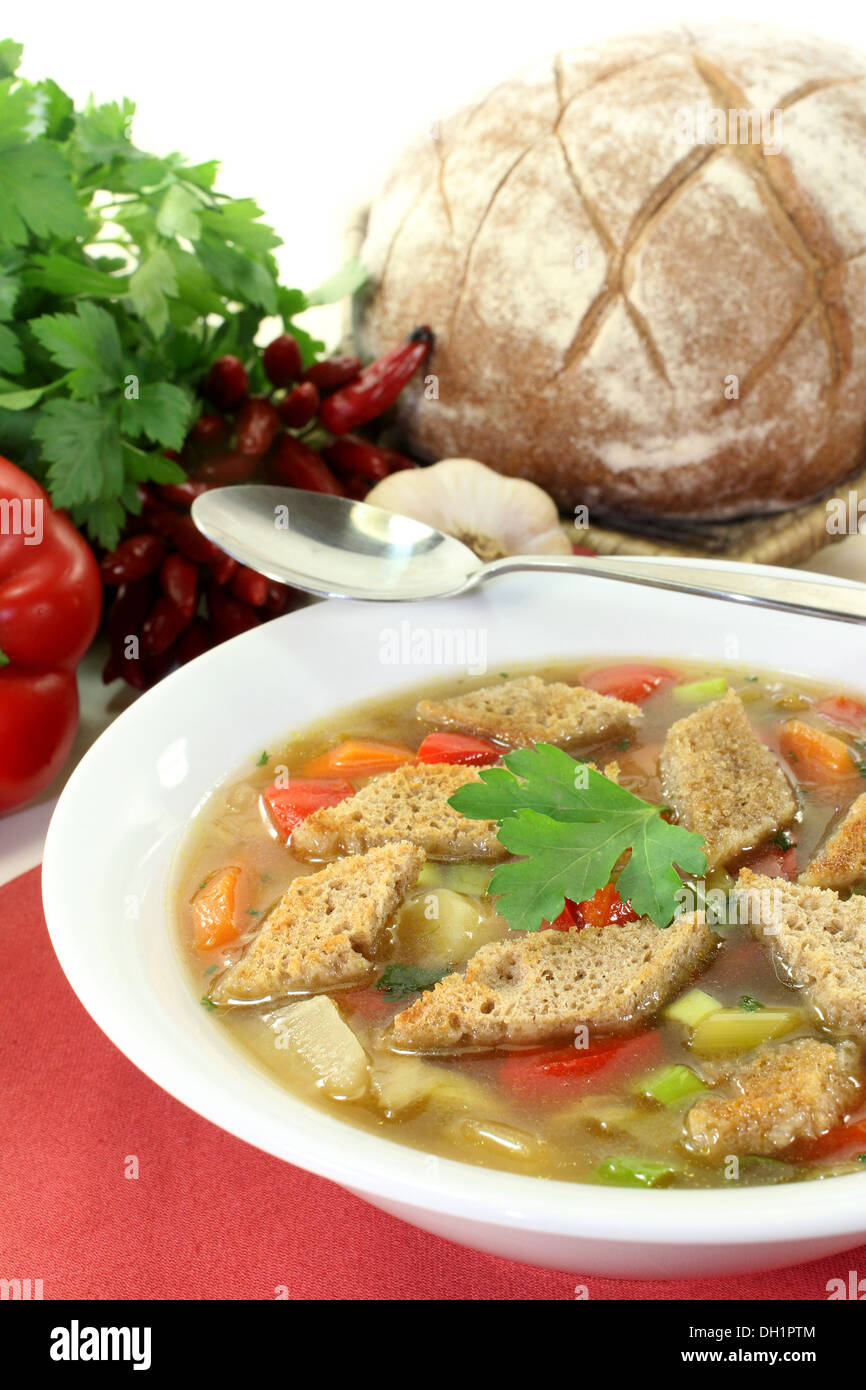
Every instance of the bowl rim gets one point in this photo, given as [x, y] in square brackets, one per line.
[378, 1167]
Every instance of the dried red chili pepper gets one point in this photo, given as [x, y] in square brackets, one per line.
[178, 579]
[292, 462]
[133, 559]
[162, 626]
[333, 373]
[358, 459]
[258, 423]
[299, 407]
[378, 386]
[249, 587]
[282, 360]
[226, 383]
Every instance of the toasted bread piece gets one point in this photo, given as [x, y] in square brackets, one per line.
[818, 940]
[325, 925]
[409, 804]
[722, 781]
[842, 859]
[529, 710]
[795, 1090]
[542, 985]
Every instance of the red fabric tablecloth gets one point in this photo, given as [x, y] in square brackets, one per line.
[208, 1216]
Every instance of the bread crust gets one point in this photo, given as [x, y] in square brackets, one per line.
[819, 941]
[783, 1093]
[541, 986]
[841, 861]
[529, 710]
[409, 804]
[638, 319]
[324, 928]
[723, 782]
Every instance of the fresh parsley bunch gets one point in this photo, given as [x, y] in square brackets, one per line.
[123, 275]
[570, 826]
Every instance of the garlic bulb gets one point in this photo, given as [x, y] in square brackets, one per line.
[493, 515]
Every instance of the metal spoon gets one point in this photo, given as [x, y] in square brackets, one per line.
[337, 548]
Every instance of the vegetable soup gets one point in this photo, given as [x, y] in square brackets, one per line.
[603, 922]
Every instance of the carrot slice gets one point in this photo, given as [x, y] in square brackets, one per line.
[214, 909]
[369, 1003]
[359, 758]
[814, 755]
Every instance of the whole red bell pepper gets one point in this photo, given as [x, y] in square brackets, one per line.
[50, 605]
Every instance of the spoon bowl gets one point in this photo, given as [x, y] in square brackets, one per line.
[332, 546]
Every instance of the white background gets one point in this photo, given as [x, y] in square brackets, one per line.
[305, 105]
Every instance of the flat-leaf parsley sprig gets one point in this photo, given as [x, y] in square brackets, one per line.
[570, 826]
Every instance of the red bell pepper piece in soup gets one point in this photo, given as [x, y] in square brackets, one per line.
[291, 804]
[545, 1076]
[631, 682]
[459, 748]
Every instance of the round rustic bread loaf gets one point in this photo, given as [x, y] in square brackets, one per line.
[640, 308]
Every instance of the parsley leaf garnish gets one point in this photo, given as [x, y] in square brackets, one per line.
[397, 981]
[570, 826]
[749, 1004]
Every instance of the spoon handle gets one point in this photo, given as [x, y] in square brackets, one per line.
[762, 586]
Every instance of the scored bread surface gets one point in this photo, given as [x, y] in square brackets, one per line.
[542, 985]
[529, 710]
[791, 1091]
[409, 804]
[722, 781]
[324, 927]
[700, 257]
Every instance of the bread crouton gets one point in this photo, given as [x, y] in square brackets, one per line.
[842, 859]
[529, 710]
[795, 1090]
[819, 941]
[542, 985]
[722, 781]
[409, 804]
[322, 930]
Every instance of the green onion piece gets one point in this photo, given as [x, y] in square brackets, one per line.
[431, 876]
[699, 692]
[736, 1030]
[626, 1171]
[692, 1008]
[472, 879]
[668, 1085]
